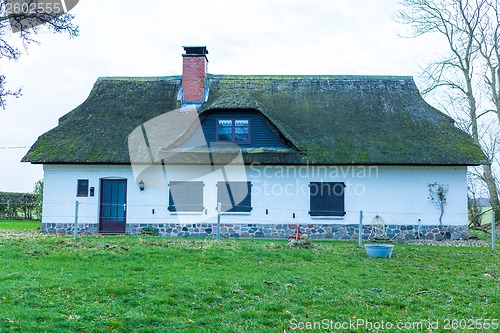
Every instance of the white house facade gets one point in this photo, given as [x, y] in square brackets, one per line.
[280, 200]
[264, 155]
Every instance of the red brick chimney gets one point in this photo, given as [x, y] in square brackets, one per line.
[194, 75]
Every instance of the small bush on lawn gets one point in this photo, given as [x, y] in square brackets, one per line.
[150, 231]
[304, 242]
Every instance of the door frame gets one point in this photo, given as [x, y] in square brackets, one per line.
[123, 225]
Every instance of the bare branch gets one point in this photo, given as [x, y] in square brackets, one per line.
[4, 92]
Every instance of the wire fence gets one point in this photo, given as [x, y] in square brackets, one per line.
[271, 214]
[258, 214]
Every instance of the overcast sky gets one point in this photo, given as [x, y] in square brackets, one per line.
[131, 38]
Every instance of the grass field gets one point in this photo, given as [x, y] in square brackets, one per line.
[487, 214]
[148, 284]
[19, 225]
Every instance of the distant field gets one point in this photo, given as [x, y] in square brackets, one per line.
[19, 225]
[486, 218]
[155, 284]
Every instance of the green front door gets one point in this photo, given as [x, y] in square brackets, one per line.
[113, 210]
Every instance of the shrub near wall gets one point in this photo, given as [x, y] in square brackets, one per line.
[18, 206]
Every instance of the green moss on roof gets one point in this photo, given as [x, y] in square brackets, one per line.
[97, 130]
[329, 119]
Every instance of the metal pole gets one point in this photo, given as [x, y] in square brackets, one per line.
[75, 227]
[493, 232]
[360, 233]
[218, 220]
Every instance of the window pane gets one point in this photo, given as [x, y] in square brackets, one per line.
[114, 200]
[225, 123]
[241, 130]
[225, 134]
[241, 123]
[107, 200]
[224, 137]
[225, 130]
[241, 138]
[82, 188]
[120, 207]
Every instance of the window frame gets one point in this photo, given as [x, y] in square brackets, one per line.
[174, 208]
[82, 187]
[238, 208]
[233, 129]
[331, 201]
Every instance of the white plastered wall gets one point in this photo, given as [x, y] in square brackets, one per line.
[398, 194]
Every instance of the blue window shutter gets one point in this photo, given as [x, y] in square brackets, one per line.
[185, 196]
[235, 196]
[337, 200]
[327, 198]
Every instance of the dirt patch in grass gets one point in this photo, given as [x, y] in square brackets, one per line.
[452, 243]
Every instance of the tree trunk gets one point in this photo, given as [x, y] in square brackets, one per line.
[489, 177]
[472, 107]
[441, 204]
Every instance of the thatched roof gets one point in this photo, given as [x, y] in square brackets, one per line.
[328, 119]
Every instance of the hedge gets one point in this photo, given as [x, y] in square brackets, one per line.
[19, 206]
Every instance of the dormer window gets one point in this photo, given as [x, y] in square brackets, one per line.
[233, 130]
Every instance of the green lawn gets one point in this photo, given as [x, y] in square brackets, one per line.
[148, 284]
[19, 225]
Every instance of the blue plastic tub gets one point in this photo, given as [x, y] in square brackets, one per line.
[379, 250]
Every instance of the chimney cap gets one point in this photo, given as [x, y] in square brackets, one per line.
[195, 50]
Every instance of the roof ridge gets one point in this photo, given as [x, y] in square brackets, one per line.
[263, 77]
[310, 76]
[138, 78]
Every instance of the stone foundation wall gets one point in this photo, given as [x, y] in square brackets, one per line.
[315, 231]
[67, 228]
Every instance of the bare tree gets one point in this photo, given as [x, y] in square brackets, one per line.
[488, 43]
[19, 26]
[470, 69]
[487, 40]
[475, 214]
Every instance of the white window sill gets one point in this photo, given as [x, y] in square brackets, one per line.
[340, 218]
[187, 213]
